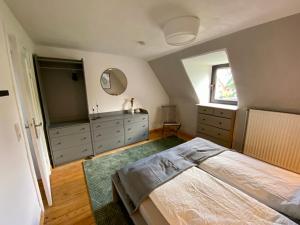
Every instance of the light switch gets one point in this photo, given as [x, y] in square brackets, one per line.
[18, 132]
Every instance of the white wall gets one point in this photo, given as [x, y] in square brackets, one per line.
[19, 203]
[143, 85]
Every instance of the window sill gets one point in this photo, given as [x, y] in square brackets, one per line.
[220, 106]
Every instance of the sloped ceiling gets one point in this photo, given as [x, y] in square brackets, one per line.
[115, 26]
[265, 66]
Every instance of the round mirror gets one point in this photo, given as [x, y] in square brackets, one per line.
[113, 81]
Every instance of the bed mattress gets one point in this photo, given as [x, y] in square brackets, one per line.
[195, 197]
[271, 185]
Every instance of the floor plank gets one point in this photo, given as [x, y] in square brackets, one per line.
[71, 203]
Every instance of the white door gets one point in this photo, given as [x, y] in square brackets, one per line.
[27, 92]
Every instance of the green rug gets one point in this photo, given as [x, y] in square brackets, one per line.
[98, 173]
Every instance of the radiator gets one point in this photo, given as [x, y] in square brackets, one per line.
[274, 137]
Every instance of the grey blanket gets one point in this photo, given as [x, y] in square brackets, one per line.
[139, 179]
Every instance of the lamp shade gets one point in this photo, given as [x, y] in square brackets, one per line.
[182, 30]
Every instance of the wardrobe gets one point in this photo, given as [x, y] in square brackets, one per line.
[63, 98]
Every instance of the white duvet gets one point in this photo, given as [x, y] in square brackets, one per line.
[273, 186]
[195, 197]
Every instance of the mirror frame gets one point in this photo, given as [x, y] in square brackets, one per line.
[105, 73]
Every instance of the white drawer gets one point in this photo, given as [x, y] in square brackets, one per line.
[205, 110]
[133, 127]
[135, 119]
[107, 132]
[70, 154]
[70, 140]
[103, 124]
[224, 113]
[226, 144]
[61, 131]
[215, 132]
[223, 123]
[108, 144]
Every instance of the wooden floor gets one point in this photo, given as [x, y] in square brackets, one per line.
[71, 203]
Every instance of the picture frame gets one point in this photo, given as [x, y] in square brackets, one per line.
[105, 81]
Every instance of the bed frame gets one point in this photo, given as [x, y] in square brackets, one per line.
[272, 137]
[119, 194]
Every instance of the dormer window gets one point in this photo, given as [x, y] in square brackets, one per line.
[222, 89]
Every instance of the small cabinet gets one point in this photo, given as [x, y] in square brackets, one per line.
[216, 124]
[70, 142]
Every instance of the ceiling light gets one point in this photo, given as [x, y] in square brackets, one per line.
[181, 30]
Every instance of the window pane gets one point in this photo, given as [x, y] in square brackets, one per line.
[224, 85]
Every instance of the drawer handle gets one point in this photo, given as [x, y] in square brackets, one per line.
[221, 113]
[83, 128]
[118, 131]
[144, 118]
[84, 150]
[119, 141]
[144, 126]
[84, 138]
[99, 135]
[220, 123]
[57, 132]
[59, 143]
[61, 156]
[118, 122]
[129, 139]
[203, 119]
[128, 121]
[204, 110]
[98, 126]
[219, 134]
[129, 129]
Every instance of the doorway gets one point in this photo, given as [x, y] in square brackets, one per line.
[28, 103]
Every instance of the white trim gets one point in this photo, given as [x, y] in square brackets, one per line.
[28, 153]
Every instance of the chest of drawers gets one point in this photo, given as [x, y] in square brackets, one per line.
[216, 124]
[70, 142]
[73, 141]
[116, 129]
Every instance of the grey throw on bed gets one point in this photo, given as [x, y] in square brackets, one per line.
[139, 179]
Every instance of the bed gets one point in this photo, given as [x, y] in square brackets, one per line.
[227, 188]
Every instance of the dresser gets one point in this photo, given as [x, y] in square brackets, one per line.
[116, 129]
[69, 142]
[216, 124]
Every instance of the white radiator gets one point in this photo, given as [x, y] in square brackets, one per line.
[274, 137]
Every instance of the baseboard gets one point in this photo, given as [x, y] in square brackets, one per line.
[185, 136]
[156, 130]
[42, 219]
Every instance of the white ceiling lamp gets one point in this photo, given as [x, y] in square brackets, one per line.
[182, 30]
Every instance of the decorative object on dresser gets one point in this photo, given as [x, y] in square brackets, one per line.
[169, 117]
[112, 130]
[216, 124]
[61, 86]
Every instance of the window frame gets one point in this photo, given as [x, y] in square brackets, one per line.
[213, 85]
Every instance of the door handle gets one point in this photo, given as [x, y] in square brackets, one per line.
[35, 126]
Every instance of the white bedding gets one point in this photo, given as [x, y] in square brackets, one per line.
[273, 186]
[195, 197]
